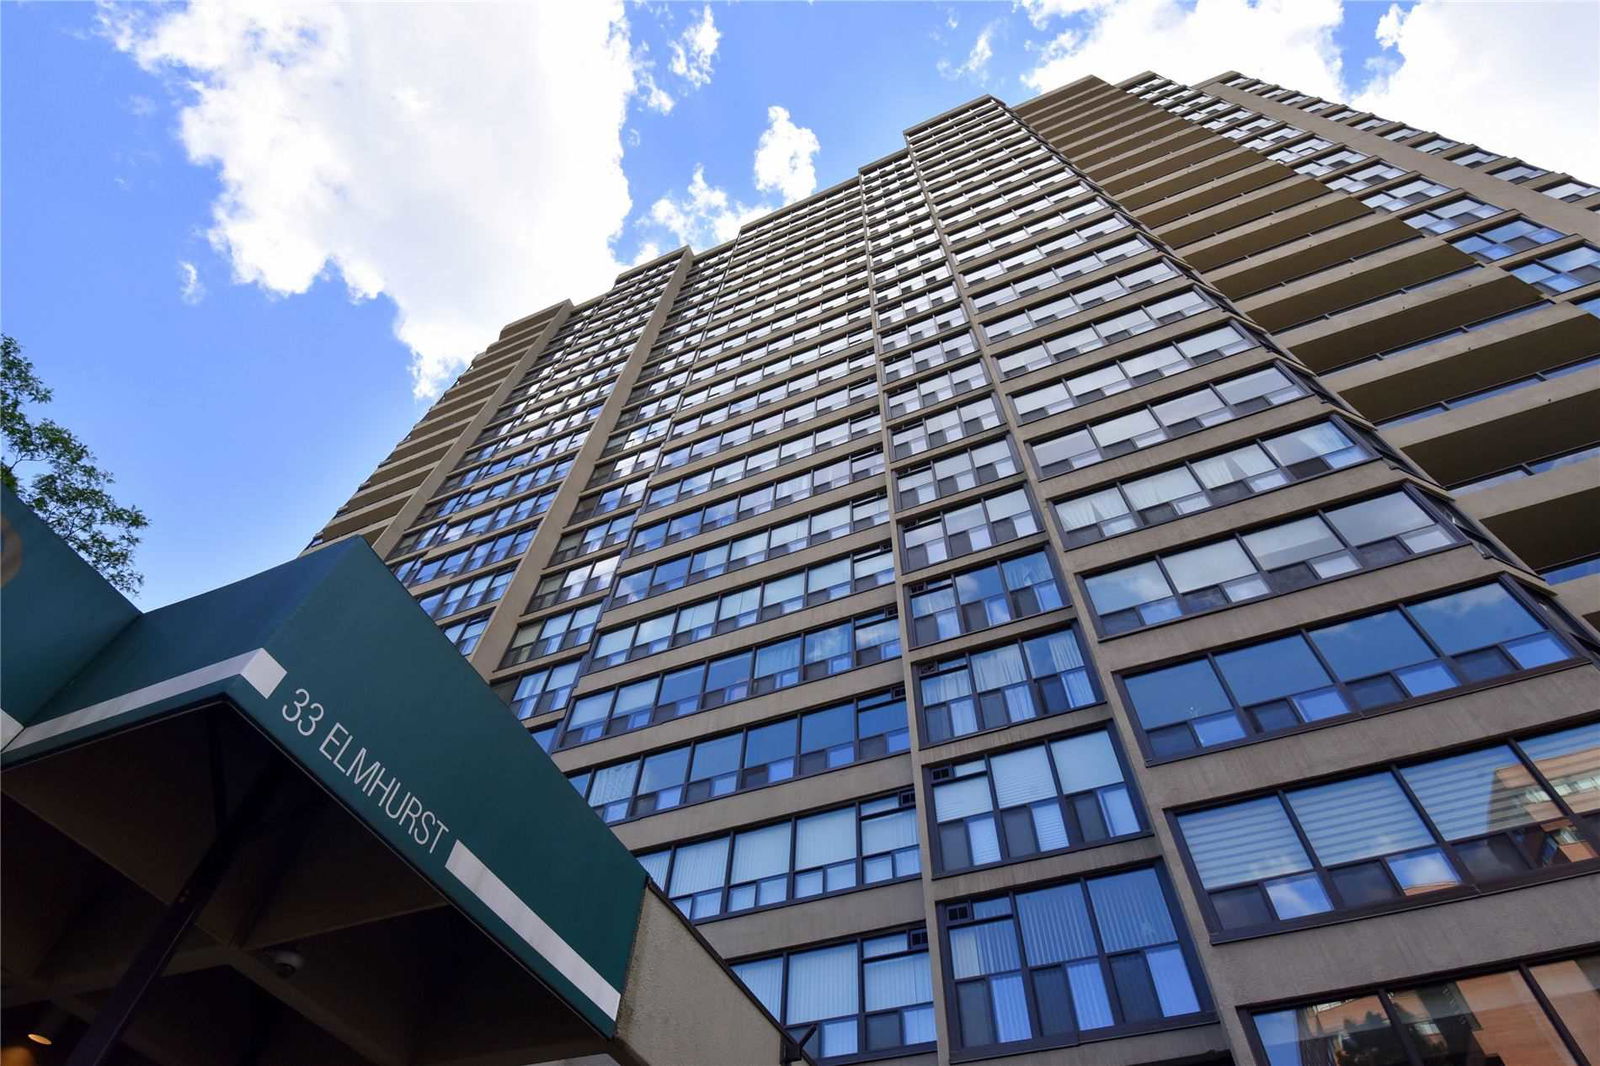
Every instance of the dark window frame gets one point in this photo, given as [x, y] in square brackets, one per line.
[1549, 613]
[1587, 828]
[1141, 812]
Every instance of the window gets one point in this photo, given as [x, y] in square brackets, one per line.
[1358, 180]
[1484, 1017]
[747, 466]
[465, 595]
[581, 542]
[810, 656]
[1381, 838]
[757, 501]
[776, 422]
[1271, 560]
[1057, 243]
[1077, 961]
[1508, 238]
[553, 633]
[1445, 218]
[869, 843]
[1344, 157]
[1402, 196]
[930, 355]
[859, 730]
[971, 527]
[983, 597]
[937, 389]
[418, 570]
[1496, 390]
[575, 583]
[612, 499]
[1519, 173]
[925, 482]
[1569, 190]
[1013, 682]
[1362, 664]
[1212, 481]
[728, 556]
[1063, 272]
[751, 605]
[1474, 158]
[1132, 371]
[539, 691]
[1564, 271]
[1098, 334]
[1066, 793]
[466, 633]
[964, 420]
[1188, 412]
[860, 997]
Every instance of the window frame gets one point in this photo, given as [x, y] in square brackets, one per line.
[1440, 510]
[1522, 965]
[1467, 888]
[936, 858]
[1206, 1015]
[1550, 614]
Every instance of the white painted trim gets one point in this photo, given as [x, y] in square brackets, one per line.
[258, 667]
[508, 906]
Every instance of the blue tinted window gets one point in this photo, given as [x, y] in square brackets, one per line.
[1178, 693]
[1362, 647]
[1475, 618]
[1271, 671]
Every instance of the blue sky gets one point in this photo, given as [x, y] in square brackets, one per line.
[245, 247]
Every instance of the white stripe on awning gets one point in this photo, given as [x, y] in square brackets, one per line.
[509, 908]
[258, 667]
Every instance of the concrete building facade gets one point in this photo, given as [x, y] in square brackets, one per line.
[1111, 583]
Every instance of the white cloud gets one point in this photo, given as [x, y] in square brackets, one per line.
[1518, 78]
[694, 49]
[1287, 41]
[784, 157]
[407, 150]
[191, 290]
[977, 62]
[701, 218]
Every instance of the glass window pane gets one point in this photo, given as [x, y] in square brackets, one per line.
[1477, 793]
[822, 984]
[1291, 542]
[978, 950]
[1375, 644]
[1055, 924]
[898, 982]
[1128, 587]
[1570, 761]
[764, 979]
[1370, 520]
[1131, 910]
[825, 838]
[1211, 564]
[1022, 776]
[1176, 694]
[761, 853]
[1271, 671]
[1243, 842]
[1492, 1018]
[699, 867]
[1331, 1033]
[1573, 988]
[1085, 762]
[1358, 819]
[1475, 618]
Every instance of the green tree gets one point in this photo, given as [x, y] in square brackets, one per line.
[62, 484]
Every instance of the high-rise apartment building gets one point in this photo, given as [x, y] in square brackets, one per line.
[1105, 585]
